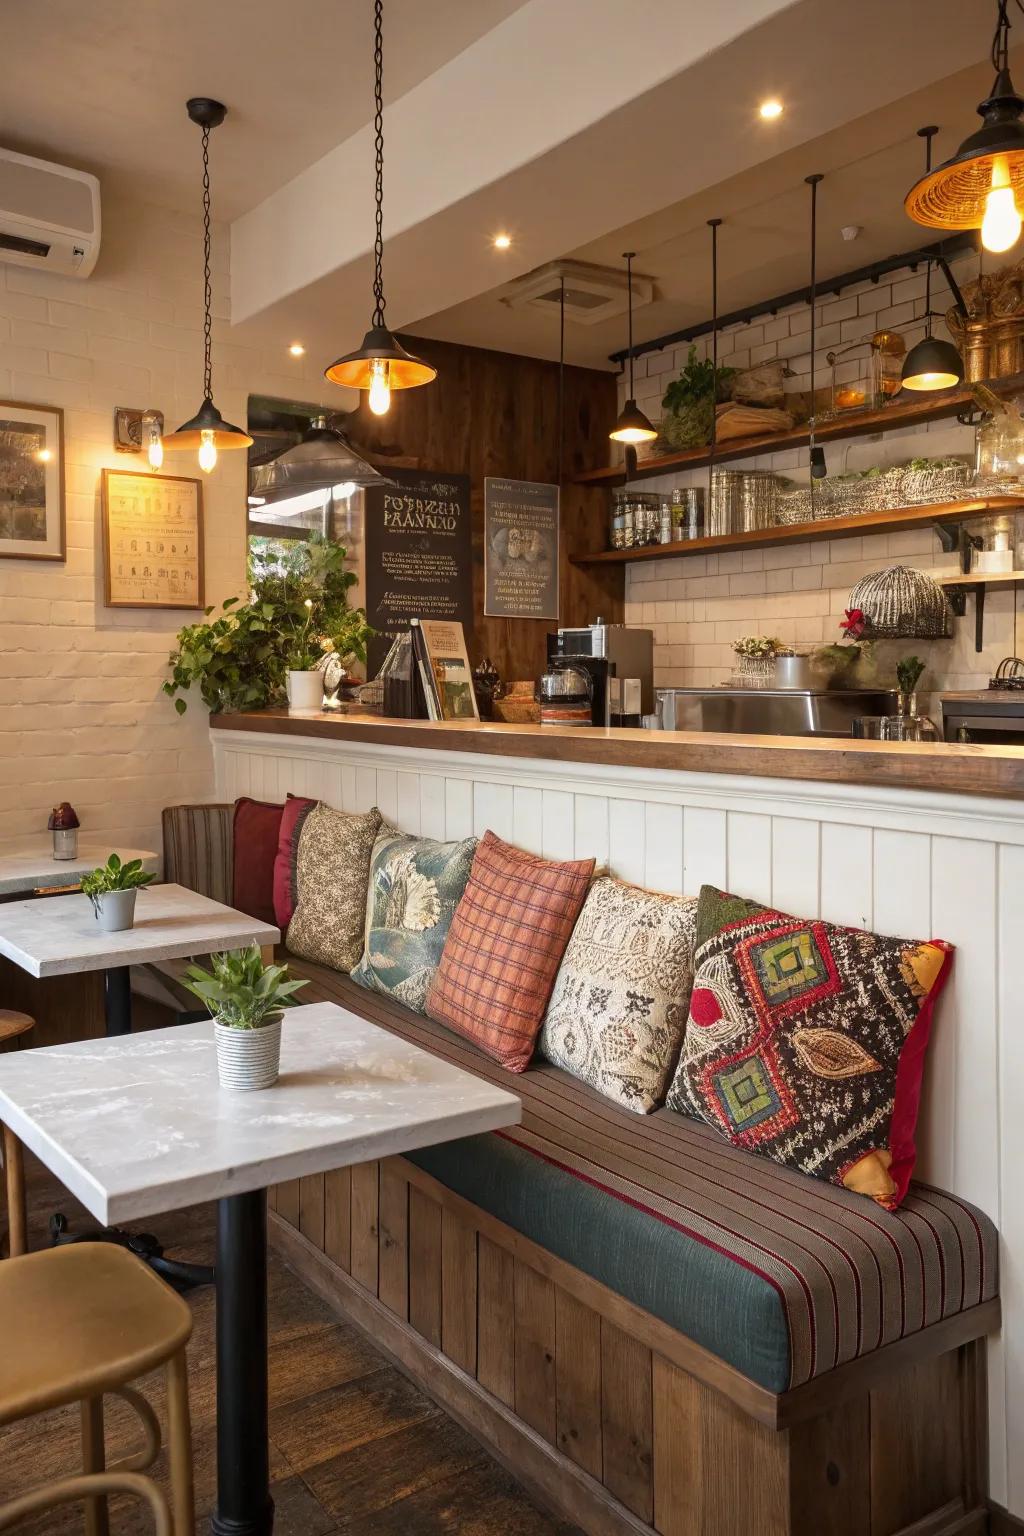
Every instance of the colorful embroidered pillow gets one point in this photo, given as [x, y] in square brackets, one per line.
[286, 862]
[334, 868]
[618, 1010]
[415, 886]
[255, 829]
[504, 947]
[806, 1041]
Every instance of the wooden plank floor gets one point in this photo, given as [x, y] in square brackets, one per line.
[355, 1447]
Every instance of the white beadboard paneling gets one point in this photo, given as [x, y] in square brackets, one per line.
[528, 819]
[705, 856]
[902, 884]
[494, 810]
[795, 859]
[846, 874]
[458, 809]
[558, 827]
[749, 847]
[387, 794]
[591, 832]
[432, 818]
[663, 845]
[366, 790]
[626, 840]
[407, 808]
[1011, 1222]
[349, 793]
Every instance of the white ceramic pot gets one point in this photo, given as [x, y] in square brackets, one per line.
[305, 692]
[115, 910]
[248, 1058]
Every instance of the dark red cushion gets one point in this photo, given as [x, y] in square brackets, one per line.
[286, 891]
[257, 826]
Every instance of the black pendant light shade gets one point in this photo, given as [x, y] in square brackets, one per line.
[207, 431]
[381, 364]
[322, 458]
[632, 426]
[979, 186]
[933, 363]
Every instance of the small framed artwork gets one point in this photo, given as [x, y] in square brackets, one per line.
[31, 481]
[152, 540]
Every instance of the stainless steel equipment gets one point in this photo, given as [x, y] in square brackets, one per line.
[564, 695]
[606, 651]
[772, 711]
[989, 717]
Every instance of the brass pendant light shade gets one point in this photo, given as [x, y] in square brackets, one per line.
[381, 364]
[981, 186]
[933, 364]
[632, 426]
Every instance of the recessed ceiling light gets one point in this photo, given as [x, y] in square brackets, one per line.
[770, 109]
[297, 349]
[502, 242]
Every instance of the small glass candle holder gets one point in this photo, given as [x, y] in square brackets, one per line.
[63, 826]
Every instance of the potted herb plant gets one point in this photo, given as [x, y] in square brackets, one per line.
[246, 1000]
[304, 684]
[112, 891]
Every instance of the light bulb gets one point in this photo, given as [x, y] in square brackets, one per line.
[155, 450]
[207, 451]
[380, 389]
[632, 435]
[1000, 228]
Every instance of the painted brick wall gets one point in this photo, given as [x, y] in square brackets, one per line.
[81, 713]
[699, 605]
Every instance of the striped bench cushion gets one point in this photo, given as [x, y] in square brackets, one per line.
[782, 1276]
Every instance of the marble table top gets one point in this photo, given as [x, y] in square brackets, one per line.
[139, 1125]
[30, 864]
[59, 935]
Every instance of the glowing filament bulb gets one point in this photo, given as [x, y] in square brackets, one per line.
[207, 451]
[380, 389]
[155, 449]
[1000, 228]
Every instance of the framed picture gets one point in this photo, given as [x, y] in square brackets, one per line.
[152, 540]
[31, 481]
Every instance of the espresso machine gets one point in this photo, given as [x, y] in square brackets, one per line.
[610, 653]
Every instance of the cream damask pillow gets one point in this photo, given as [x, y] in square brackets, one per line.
[618, 1010]
[333, 866]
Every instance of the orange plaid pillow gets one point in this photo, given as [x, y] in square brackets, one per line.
[504, 948]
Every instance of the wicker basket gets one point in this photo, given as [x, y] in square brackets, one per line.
[923, 485]
[902, 604]
[518, 706]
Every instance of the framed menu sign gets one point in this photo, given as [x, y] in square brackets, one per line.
[520, 549]
[152, 540]
[419, 555]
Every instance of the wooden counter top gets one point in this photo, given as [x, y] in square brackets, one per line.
[940, 766]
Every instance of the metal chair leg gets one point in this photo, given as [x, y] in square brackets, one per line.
[94, 1461]
[179, 1445]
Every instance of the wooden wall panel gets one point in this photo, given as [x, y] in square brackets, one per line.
[425, 1265]
[311, 1208]
[365, 1206]
[338, 1217]
[578, 1382]
[627, 1420]
[393, 1229]
[495, 1366]
[289, 1204]
[535, 1350]
[916, 1463]
[458, 1291]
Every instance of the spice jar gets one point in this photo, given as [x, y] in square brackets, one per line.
[622, 521]
[688, 512]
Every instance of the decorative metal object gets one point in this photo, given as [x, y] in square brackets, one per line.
[321, 459]
[207, 430]
[900, 603]
[933, 363]
[936, 483]
[381, 364]
[632, 426]
[132, 428]
[989, 330]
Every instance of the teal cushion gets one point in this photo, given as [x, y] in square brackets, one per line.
[415, 886]
[709, 1296]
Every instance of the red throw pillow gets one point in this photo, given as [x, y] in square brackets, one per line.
[285, 880]
[504, 948]
[257, 824]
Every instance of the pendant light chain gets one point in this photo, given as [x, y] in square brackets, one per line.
[378, 132]
[928, 134]
[207, 290]
[629, 305]
[561, 379]
[713, 225]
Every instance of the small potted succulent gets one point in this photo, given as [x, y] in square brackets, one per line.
[246, 1000]
[112, 891]
[303, 680]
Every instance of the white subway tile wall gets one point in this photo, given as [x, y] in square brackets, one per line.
[82, 717]
[698, 606]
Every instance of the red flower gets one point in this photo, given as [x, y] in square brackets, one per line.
[853, 624]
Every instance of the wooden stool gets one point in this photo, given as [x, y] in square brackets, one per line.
[79, 1322]
[12, 1024]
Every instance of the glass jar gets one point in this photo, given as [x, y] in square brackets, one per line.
[621, 522]
[688, 512]
[999, 450]
[888, 350]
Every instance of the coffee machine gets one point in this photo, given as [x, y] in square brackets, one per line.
[610, 653]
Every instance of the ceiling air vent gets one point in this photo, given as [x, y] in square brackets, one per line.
[592, 293]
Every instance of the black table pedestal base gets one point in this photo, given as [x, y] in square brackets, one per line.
[244, 1505]
[117, 990]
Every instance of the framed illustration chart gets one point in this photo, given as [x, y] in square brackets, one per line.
[152, 540]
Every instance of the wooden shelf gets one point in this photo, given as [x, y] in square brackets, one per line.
[824, 528]
[908, 412]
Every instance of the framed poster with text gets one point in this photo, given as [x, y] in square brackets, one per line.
[419, 555]
[520, 549]
[152, 540]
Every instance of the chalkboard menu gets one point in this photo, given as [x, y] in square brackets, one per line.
[419, 554]
[520, 549]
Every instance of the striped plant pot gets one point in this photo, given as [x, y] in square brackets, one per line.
[248, 1058]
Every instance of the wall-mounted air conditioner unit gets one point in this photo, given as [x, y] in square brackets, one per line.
[49, 215]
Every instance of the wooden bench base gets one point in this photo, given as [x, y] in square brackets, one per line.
[616, 1421]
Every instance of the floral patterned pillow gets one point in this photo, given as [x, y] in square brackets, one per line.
[415, 886]
[333, 864]
[806, 1041]
[618, 1009]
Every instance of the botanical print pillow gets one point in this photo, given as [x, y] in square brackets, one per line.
[333, 869]
[618, 1010]
[415, 886]
[806, 1041]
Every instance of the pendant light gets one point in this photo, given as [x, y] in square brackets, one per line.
[207, 431]
[714, 225]
[979, 186]
[819, 469]
[321, 459]
[381, 364]
[933, 363]
[632, 426]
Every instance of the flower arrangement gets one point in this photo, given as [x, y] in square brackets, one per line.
[758, 645]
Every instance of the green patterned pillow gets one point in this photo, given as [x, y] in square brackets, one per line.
[415, 886]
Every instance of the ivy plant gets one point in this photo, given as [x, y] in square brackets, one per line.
[296, 610]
